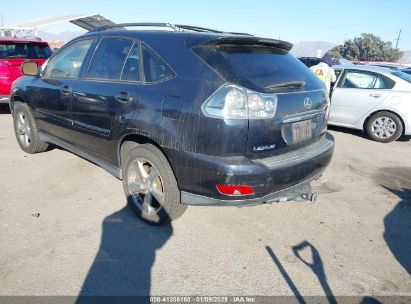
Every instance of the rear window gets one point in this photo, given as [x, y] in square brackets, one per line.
[402, 75]
[257, 67]
[24, 50]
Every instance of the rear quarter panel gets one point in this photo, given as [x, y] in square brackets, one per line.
[399, 102]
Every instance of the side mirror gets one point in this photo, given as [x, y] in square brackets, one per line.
[30, 68]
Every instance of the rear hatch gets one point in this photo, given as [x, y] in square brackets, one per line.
[14, 53]
[265, 66]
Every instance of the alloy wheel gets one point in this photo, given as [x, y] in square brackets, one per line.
[383, 127]
[145, 186]
[23, 129]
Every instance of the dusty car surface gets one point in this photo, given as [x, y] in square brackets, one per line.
[374, 99]
[190, 116]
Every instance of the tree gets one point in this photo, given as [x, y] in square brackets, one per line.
[368, 47]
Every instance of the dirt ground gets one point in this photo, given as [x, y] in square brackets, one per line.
[65, 230]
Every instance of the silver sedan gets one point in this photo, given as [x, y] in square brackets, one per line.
[374, 99]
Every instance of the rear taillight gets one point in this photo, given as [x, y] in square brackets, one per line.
[4, 69]
[235, 190]
[234, 102]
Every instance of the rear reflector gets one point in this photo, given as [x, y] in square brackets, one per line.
[235, 190]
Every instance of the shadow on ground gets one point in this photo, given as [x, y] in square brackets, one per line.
[122, 266]
[4, 109]
[310, 256]
[397, 223]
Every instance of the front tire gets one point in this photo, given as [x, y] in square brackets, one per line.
[150, 185]
[26, 131]
[384, 127]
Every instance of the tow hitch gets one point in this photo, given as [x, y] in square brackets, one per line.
[309, 197]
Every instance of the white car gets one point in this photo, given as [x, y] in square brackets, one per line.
[374, 99]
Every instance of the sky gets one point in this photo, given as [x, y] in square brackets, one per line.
[290, 20]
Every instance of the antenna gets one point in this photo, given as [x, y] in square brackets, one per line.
[398, 39]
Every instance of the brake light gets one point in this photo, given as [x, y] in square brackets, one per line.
[235, 102]
[235, 190]
[5, 69]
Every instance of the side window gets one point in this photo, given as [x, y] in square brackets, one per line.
[131, 69]
[155, 69]
[68, 62]
[388, 82]
[363, 80]
[379, 83]
[108, 60]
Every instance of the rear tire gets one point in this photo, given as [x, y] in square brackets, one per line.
[384, 127]
[26, 131]
[150, 185]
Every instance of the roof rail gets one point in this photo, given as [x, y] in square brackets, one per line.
[176, 27]
[122, 25]
[197, 28]
[32, 37]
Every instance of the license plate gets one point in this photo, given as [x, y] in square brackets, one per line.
[302, 130]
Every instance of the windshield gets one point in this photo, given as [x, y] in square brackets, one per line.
[259, 68]
[402, 75]
[24, 50]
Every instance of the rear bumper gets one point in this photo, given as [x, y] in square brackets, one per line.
[274, 178]
[301, 191]
[407, 125]
[4, 99]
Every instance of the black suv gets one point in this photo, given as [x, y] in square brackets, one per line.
[187, 116]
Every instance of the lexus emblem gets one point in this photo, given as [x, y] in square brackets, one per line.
[308, 103]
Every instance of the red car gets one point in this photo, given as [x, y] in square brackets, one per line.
[13, 52]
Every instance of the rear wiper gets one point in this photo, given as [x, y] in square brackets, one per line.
[290, 84]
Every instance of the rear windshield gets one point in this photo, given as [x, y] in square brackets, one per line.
[24, 50]
[256, 67]
[402, 75]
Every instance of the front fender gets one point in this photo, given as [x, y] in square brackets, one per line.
[18, 91]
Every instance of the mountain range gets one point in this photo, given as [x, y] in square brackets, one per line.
[63, 36]
[311, 48]
[300, 49]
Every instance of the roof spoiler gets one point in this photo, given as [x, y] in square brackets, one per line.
[250, 40]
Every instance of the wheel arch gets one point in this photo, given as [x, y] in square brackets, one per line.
[138, 138]
[364, 125]
[13, 100]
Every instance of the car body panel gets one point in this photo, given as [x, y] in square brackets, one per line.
[10, 66]
[84, 116]
[350, 107]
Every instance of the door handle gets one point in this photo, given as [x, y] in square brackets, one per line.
[123, 97]
[375, 95]
[66, 90]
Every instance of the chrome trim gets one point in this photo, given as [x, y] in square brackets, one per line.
[298, 92]
[4, 99]
[325, 144]
[304, 115]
